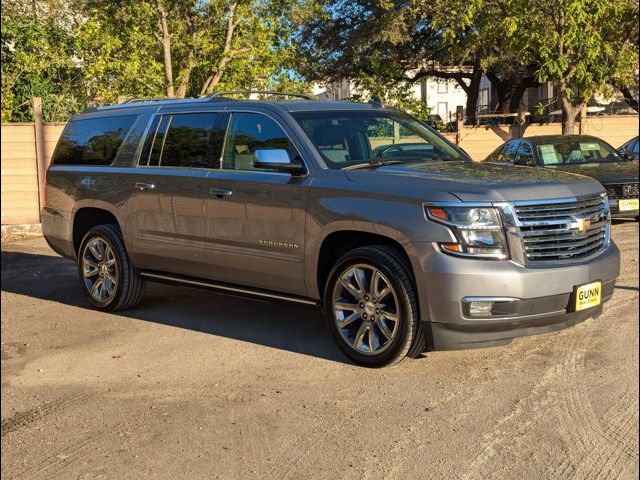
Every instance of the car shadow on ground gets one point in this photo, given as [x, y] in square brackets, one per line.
[296, 328]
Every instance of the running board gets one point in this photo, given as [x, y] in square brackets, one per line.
[162, 277]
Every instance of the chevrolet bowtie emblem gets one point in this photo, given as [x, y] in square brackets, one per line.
[581, 224]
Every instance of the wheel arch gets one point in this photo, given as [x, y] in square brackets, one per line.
[341, 237]
[87, 215]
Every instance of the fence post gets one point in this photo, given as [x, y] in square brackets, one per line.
[583, 120]
[459, 123]
[41, 161]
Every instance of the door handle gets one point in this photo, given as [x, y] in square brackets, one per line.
[220, 192]
[144, 186]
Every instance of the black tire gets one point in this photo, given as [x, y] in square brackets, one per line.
[409, 339]
[129, 287]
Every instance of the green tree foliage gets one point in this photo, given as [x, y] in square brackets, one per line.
[401, 41]
[83, 52]
[395, 93]
[579, 45]
[38, 49]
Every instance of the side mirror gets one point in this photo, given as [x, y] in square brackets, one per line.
[277, 159]
[627, 155]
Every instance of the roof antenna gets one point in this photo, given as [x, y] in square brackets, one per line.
[376, 102]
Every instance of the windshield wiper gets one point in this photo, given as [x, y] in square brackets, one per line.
[373, 164]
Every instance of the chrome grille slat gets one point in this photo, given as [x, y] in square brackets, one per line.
[583, 211]
[538, 233]
[559, 238]
[557, 206]
[557, 255]
[573, 245]
[546, 229]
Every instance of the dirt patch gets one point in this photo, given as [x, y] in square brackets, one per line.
[198, 385]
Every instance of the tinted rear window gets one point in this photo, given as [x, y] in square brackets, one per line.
[189, 140]
[92, 141]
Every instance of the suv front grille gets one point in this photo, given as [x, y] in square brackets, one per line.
[622, 190]
[562, 230]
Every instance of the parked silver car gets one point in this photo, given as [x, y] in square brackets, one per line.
[404, 249]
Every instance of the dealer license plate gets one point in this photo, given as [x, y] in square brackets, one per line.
[589, 295]
[628, 204]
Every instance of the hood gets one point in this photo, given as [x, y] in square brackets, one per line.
[609, 172]
[471, 181]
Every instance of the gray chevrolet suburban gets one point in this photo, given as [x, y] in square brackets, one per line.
[403, 241]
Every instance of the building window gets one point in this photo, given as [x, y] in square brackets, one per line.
[443, 111]
[483, 99]
[443, 86]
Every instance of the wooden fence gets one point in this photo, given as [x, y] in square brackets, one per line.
[480, 141]
[19, 164]
[22, 172]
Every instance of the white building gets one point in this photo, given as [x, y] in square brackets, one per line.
[442, 95]
[445, 95]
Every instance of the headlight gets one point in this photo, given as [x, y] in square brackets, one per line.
[478, 230]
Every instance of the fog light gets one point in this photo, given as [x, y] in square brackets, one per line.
[480, 309]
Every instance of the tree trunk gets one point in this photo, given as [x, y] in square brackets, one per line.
[505, 97]
[166, 48]
[628, 96]
[185, 76]
[227, 54]
[503, 88]
[473, 91]
[518, 92]
[570, 110]
[184, 83]
[510, 91]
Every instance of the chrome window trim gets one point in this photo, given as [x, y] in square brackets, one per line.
[155, 135]
[164, 140]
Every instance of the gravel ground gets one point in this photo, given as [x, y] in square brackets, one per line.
[198, 385]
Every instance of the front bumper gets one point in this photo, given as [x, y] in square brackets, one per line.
[542, 297]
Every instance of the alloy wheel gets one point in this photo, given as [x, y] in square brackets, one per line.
[100, 270]
[365, 309]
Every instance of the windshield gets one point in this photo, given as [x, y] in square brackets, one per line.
[568, 152]
[347, 138]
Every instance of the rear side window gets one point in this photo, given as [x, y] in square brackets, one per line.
[525, 154]
[187, 140]
[494, 155]
[92, 141]
[508, 153]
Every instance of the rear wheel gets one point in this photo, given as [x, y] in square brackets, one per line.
[370, 307]
[107, 277]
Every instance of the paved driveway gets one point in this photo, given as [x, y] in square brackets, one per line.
[198, 385]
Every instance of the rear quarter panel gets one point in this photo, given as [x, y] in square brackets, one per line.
[72, 187]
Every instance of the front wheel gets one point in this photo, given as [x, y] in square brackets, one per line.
[370, 307]
[107, 277]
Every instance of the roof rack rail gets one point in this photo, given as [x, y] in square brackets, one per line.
[376, 102]
[149, 99]
[260, 92]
